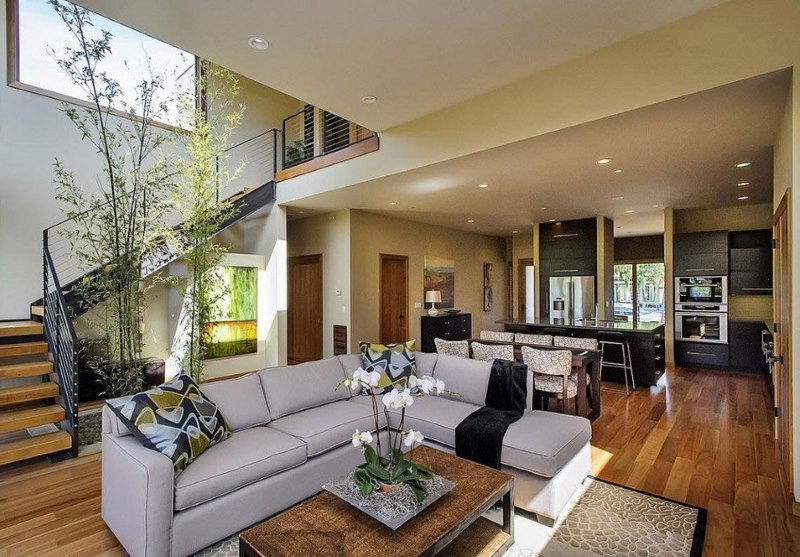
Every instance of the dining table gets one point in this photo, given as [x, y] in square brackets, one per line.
[586, 365]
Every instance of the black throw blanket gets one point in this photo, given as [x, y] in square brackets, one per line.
[479, 437]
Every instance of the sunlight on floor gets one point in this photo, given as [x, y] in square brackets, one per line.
[600, 459]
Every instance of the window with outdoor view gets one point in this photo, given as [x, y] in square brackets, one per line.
[639, 292]
[42, 36]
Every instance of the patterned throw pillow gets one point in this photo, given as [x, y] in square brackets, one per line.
[392, 361]
[175, 419]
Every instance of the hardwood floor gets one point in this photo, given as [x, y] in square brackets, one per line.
[704, 438]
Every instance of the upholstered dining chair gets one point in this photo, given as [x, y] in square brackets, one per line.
[552, 374]
[489, 352]
[458, 348]
[574, 342]
[497, 336]
[541, 340]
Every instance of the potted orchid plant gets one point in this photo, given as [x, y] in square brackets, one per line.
[387, 468]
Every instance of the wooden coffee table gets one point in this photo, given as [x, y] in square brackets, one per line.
[326, 526]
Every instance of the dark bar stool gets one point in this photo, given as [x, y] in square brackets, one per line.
[555, 331]
[617, 340]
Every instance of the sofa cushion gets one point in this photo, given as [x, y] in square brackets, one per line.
[469, 378]
[244, 458]
[435, 417]
[329, 426]
[543, 442]
[426, 362]
[175, 419]
[241, 401]
[290, 389]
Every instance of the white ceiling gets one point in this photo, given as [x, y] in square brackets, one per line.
[416, 56]
[680, 153]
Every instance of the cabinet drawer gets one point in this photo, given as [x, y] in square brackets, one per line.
[699, 354]
[751, 283]
[701, 264]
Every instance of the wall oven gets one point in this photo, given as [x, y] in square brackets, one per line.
[701, 326]
[702, 291]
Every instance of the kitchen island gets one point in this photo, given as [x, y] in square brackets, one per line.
[646, 341]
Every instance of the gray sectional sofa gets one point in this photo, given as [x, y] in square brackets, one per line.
[291, 433]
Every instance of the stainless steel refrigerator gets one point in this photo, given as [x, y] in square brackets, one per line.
[572, 298]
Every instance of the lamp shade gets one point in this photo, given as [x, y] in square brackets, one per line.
[433, 296]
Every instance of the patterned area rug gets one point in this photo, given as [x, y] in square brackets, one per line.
[601, 520]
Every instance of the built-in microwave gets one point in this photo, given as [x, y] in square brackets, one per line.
[701, 292]
[701, 327]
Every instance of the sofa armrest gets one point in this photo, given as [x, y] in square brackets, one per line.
[137, 490]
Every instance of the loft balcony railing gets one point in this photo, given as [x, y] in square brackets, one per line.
[313, 133]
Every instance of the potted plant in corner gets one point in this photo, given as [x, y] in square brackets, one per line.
[389, 485]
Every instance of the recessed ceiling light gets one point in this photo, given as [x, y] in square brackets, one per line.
[618, 171]
[543, 208]
[617, 198]
[656, 206]
[744, 164]
[629, 211]
[393, 203]
[470, 220]
[743, 184]
[369, 99]
[258, 43]
[552, 220]
[743, 197]
[515, 231]
[484, 186]
[604, 161]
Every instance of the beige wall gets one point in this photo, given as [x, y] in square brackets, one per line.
[739, 217]
[669, 298]
[329, 235]
[373, 234]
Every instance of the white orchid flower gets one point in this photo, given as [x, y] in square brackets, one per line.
[424, 384]
[398, 399]
[365, 378]
[361, 438]
[413, 437]
[437, 385]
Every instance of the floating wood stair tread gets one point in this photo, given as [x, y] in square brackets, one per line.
[23, 349]
[30, 369]
[37, 310]
[20, 328]
[18, 419]
[30, 447]
[26, 393]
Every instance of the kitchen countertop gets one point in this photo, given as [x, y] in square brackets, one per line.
[590, 325]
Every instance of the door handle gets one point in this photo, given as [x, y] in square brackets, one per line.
[776, 359]
[697, 270]
[700, 354]
[565, 270]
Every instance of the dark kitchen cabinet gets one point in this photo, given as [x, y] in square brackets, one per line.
[568, 240]
[751, 263]
[700, 254]
[701, 354]
[567, 248]
[745, 346]
[447, 327]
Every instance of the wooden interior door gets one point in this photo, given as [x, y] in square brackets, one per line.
[394, 298]
[782, 279]
[521, 285]
[304, 312]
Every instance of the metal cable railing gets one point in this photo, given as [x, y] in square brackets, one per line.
[313, 132]
[61, 339]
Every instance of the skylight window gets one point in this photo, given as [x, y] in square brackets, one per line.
[41, 35]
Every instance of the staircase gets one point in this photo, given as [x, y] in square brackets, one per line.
[33, 422]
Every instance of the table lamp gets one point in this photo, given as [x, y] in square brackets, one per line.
[433, 297]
